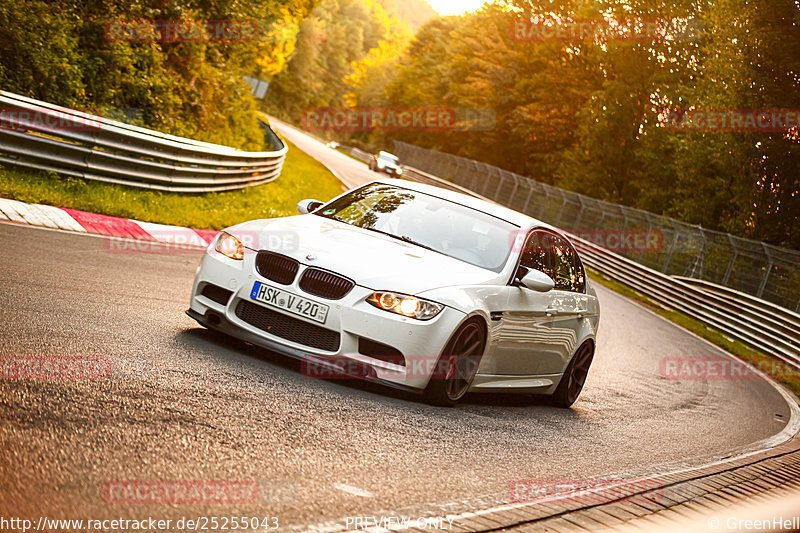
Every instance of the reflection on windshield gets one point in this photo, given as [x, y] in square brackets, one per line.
[445, 227]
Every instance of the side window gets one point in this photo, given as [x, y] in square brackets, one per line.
[568, 269]
[538, 252]
[554, 256]
[580, 280]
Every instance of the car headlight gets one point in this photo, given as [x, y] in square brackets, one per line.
[230, 246]
[399, 170]
[402, 304]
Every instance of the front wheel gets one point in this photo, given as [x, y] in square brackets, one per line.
[571, 384]
[457, 366]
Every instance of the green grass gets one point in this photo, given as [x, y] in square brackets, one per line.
[302, 177]
[770, 365]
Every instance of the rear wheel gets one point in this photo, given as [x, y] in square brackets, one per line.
[571, 384]
[458, 364]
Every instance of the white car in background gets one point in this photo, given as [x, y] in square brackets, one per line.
[386, 163]
[415, 286]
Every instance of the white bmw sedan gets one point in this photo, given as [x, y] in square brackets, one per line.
[411, 285]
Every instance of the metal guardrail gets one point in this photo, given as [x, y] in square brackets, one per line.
[358, 153]
[35, 134]
[747, 304]
[763, 325]
[768, 272]
[753, 326]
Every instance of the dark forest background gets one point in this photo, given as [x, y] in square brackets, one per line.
[586, 115]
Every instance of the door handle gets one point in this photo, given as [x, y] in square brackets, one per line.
[551, 311]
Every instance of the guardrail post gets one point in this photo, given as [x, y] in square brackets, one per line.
[561, 209]
[528, 199]
[580, 215]
[671, 248]
[474, 173]
[734, 257]
[516, 185]
[452, 167]
[543, 206]
[701, 257]
[439, 166]
[500, 180]
[624, 212]
[763, 284]
[649, 229]
[486, 175]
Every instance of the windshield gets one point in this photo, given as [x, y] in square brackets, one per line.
[430, 222]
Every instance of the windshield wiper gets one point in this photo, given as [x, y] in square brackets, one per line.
[408, 239]
[404, 238]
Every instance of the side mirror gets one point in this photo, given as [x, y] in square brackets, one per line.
[307, 206]
[538, 281]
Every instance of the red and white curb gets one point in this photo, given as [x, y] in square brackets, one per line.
[92, 223]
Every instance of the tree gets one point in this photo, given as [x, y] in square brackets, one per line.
[331, 46]
[61, 51]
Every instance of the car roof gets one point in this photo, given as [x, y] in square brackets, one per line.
[387, 154]
[504, 213]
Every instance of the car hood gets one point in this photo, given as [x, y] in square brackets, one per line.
[388, 164]
[370, 259]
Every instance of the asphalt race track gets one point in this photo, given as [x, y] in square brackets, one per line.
[183, 403]
[350, 172]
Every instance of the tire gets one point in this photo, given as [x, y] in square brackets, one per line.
[457, 365]
[574, 378]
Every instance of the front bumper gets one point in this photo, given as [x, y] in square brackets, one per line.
[420, 342]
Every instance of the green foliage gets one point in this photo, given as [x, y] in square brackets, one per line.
[745, 183]
[337, 48]
[57, 51]
[588, 115]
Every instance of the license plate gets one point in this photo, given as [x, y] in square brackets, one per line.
[289, 302]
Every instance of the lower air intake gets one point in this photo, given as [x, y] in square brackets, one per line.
[287, 327]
